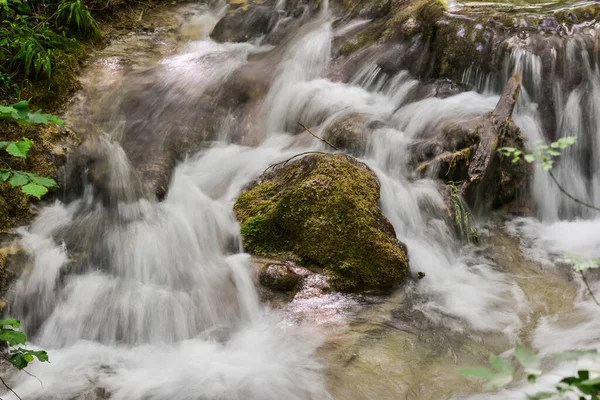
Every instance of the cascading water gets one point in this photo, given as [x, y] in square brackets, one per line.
[140, 299]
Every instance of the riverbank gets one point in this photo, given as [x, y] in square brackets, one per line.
[52, 142]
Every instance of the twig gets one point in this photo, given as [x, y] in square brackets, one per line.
[318, 137]
[27, 372]
[9, 388]
[33, 376]
[593, 207]
[588, 287]
[283, 163]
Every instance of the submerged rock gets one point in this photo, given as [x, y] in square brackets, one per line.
[322, 211]
[245, 21]
[350, 132]
[278, 277]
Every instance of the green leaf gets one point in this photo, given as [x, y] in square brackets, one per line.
[42, 180]
[583, 375]
[18, 179]
[6, 111]
[28, 357]
[529, 158]
[39, 118]
[20, 148]
[591, 382]
[18, 360]
[4, 144]
[15, 323]
[41, 355]
[498, 381]
[528, 360]
[477, 372]
[501, 365]
[541, 396]
[34, 190]
[4, 175]
[12, 337]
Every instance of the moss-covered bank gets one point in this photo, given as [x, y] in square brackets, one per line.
[323, 211]
[51, 92]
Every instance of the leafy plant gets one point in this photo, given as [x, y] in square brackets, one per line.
[20, 357]
[22, 114]
[31, 46]
[462, 217]
[581, 385]
[75, 15]
[541, 152]
[30, 183]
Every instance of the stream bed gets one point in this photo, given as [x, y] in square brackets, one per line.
[136, 298]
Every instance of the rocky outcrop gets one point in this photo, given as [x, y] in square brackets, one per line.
[322, 211]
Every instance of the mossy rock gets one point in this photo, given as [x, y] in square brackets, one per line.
[323, 211]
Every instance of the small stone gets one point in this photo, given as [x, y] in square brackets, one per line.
[278, 277]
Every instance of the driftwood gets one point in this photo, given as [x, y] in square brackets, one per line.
[490, 172]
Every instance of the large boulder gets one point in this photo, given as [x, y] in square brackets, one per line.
[322, 211]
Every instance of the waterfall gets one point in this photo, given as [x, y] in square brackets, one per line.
[136, 298]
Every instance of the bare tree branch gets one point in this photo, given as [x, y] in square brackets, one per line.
[318, 137]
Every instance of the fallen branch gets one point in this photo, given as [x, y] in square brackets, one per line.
[576, 200]
[318, 137]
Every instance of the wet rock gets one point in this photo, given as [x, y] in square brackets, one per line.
[13, 261]
[323, 212]
[245, 21]
[350, 132]
[278, 277]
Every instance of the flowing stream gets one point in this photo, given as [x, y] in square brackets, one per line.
[136, 298]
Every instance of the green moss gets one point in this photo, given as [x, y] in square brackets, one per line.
[362, 39]
[323, 210]
[578, 15]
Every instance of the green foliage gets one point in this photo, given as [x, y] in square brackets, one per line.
[21, 113]
[579, 263]
[462, 218]
[32, 47]
[75, 15]
[30, 183]
[20, 357]
[37, 37]
[503, 373]
[541, 152]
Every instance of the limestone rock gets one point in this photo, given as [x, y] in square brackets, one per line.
[322, 211]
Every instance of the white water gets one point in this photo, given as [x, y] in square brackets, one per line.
[157, 301]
